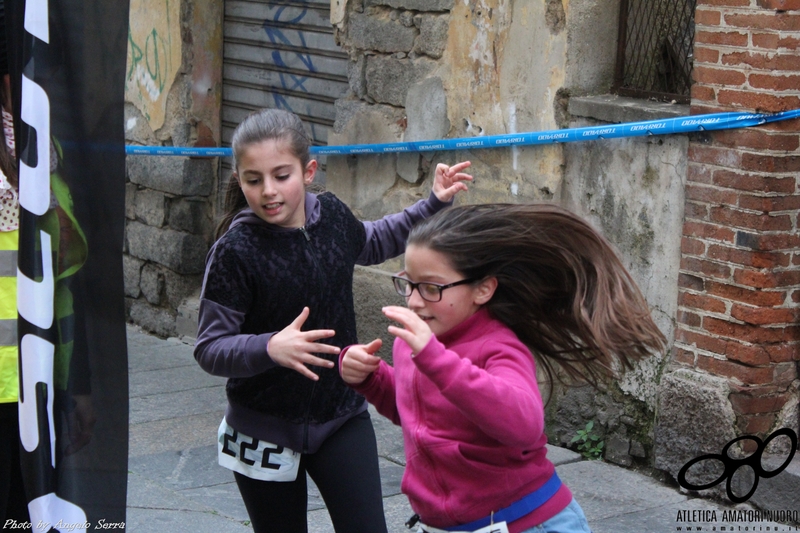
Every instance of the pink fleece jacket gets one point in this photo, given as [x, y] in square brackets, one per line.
[473, 424]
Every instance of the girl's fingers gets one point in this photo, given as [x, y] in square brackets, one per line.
[404, 316]
[458, 167]
[398, 314]
[373, 346]
[402, 334]
[306, 372]
[318, 361]
[319, 347]
[298, 322]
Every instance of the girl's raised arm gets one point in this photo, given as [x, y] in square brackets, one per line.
[386, 238]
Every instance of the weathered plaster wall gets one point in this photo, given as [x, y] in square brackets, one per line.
[173, 92]
[154, 56]
[632, 191]
[466, 68]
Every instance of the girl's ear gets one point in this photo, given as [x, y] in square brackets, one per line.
[485, 290]
[309, 172]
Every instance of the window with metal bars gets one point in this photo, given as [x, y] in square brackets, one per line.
[655, 49]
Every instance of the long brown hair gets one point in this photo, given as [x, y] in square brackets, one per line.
[262, 125]
[561, 287]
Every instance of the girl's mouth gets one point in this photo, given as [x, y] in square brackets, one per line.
[272, 208]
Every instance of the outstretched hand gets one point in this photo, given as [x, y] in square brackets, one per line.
[293, 348]
[449, 180]
[415, 331]
[360, 361]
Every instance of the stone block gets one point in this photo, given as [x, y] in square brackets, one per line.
[360, 123]
[408, 166]
[363, 180]
[618, 451]
[694, 418]
[415, 5]
[356, 76]
[381, 35]
[179, 287]
[130, 200]
[426, 111]
[154, 319]
[182, 252]
[176, 175]
[372, 290]
[152, 284]
[389, 78]
[637, 449]
[188, 315]
[131, 275]
[151, 207]
[432, 38]
[190, 215]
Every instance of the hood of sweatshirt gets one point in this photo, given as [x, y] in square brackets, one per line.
[247, 216]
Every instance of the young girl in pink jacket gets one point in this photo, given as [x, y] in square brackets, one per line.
[491, 291]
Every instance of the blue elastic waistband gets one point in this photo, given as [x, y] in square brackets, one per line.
[518, 509]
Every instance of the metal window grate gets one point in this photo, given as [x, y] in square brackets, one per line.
[655, 49]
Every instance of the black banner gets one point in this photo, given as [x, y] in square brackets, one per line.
[67, 63]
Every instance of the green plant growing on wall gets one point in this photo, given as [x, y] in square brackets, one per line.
[589, 444]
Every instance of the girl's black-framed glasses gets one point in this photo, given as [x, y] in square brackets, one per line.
[430, 292]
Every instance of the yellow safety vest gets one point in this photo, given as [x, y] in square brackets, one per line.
[69, 257]
[9, 382]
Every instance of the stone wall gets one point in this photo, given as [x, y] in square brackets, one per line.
[445, 69]
[174, 93]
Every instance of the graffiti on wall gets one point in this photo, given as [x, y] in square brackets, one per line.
[285, 59]
[154, 56]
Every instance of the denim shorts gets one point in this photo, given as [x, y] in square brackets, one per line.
[570, 520]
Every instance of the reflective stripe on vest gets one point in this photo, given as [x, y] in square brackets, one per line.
[9, 382]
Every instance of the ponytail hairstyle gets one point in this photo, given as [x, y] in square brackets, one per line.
[263, 125]
[561, 288]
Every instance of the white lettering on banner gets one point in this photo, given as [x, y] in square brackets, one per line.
[396, 149]
[604, 131]
[34, 182]
[36, 14]
[65, 514]
[695, 122]
[507, 141]
[649, 127]
[469, 143]
[553, 136]
[36, 300]
[37, 357]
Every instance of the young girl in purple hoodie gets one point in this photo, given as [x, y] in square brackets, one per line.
[275, 309]
[490, 289]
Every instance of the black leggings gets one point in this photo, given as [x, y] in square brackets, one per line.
[345, 469]
[13, 504]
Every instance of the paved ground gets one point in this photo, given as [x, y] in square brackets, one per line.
[175, 484]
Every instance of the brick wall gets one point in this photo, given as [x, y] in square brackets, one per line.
[739, 298]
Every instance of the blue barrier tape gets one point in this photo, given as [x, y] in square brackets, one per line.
[688, 124]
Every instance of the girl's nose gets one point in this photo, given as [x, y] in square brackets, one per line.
[268, 188]
[415, 301]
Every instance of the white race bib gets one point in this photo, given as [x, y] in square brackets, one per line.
[255, 458]
[499, 527]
